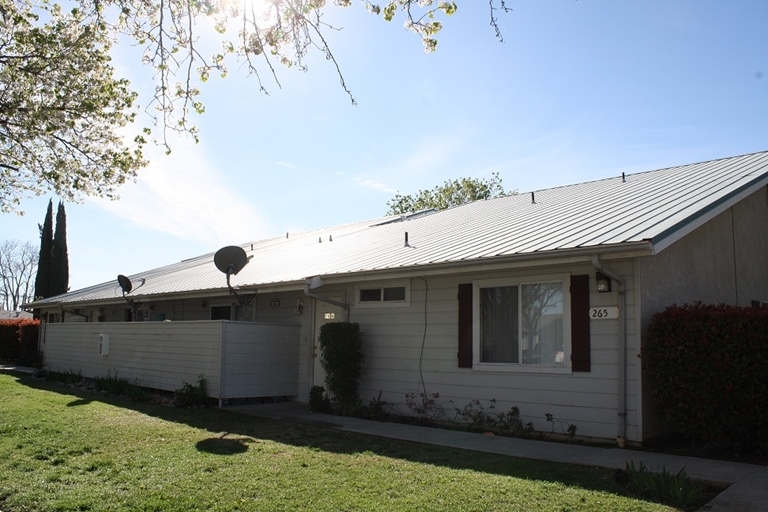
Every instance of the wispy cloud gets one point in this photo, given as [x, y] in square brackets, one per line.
[186, 196]
[376, 185]
[424, 165]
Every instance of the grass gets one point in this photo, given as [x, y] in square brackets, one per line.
[67, 448]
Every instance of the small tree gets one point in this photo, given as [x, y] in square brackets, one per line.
[59, 277]
[341, 346]
[53, 265]
[450, 193]
[43, 279]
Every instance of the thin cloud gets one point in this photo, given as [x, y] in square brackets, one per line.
[185, 196]
[425, 165]
[376, 185]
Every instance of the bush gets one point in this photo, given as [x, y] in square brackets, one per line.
[68, 377]
[674, 489]
[18, 342]
[319, 400]
[707, 367]
[192, 396]
[427, 407]
[341, 346]
[481, 418]
[120, 386]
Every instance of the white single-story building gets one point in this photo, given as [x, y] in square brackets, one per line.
[537, 300]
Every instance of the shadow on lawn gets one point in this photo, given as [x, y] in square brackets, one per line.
[234, 431]
[223, 445]
[79, 402]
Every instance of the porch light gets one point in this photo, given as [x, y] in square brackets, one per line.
[603, 282]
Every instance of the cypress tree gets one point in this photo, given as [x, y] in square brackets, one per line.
[60, 262]
[43, 278]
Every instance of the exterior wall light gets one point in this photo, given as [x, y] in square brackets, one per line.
[603, 282]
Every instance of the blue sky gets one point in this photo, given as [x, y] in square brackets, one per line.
[578, 90]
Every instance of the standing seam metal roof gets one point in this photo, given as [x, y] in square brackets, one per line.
[647, 206]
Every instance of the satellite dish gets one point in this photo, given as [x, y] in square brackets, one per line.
[231, 259]
[125, 283]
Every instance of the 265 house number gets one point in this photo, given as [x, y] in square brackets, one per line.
[605, 313]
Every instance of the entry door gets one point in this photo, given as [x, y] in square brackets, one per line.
[324, 313]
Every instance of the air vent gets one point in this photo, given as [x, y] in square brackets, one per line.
[407, 216]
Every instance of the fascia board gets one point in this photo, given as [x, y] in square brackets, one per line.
[576, 256]
[686, 226]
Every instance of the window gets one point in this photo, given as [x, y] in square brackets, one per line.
[521, 323]
[221, 312]
[383, 296]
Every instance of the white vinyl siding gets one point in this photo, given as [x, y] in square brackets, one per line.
[237, 359]
[402, 347]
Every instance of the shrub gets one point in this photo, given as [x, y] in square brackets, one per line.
[192, 396]
[427, 406]
[18, 342]
[707, 367]
[565, 427]
[483, 418]
[319, 400]
[377, 409]
[341, 346]
[68, 377]
[674, 489]
[121, 386]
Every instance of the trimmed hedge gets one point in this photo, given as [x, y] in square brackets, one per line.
[18, 342]
[707, 367]
[341, 349]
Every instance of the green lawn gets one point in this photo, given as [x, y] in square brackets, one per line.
[70, 449]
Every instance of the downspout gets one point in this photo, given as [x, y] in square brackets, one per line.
[622, 351]
[316, 282]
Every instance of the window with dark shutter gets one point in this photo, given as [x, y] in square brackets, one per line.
[580, 335]
[465, 326]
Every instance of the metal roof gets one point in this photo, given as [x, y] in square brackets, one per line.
[647, 210]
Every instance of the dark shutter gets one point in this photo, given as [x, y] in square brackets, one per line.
[465, 326]
[580, 336]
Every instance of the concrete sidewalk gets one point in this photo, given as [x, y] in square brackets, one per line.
[748, 483]
[18, 369]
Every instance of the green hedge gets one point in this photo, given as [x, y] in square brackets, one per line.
[18, 342]
[341, 346]
[707, 367]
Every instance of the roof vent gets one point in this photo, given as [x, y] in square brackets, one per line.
[407, 216]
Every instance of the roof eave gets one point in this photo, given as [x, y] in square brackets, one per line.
[576, 255]
[704, 215]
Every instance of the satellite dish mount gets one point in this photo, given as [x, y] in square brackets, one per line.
[127, 287]
[230, 260]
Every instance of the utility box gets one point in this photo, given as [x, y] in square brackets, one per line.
[103, 344]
